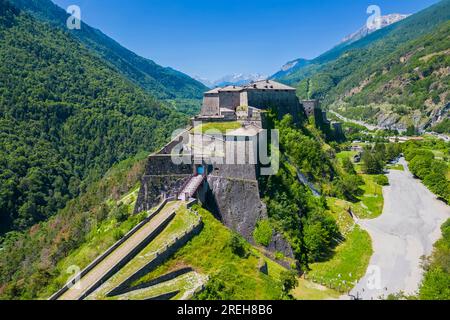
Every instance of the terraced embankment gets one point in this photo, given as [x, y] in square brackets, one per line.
[186, 224]
[122, 254]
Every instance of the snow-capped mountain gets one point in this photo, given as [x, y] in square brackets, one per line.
[205, 81]
[293, 66]
[233, 79]
[379, 23]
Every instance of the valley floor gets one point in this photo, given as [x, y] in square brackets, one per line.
[406, 231]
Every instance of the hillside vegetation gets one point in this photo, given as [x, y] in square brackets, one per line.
[34, 262]
[398, 75]
[161, 82]
[231, 264]
[65, 118]
[429, 161]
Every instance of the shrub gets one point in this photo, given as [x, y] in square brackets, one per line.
[238, 246]
[118, 234]
[120, 213]
[263, 233]
[289, 280]
[382, 180]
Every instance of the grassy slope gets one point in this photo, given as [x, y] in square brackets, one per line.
[436, 283]
[308, 290]
[351, 258]
[210, 254]
[371, 202]
[176, 228]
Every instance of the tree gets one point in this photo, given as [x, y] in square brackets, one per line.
[411, 131]
[289, 280]
[372, 164]
[238, 245]
[436, 285]
[347, 164]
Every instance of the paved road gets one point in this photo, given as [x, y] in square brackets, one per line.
[407, 229]
[361, 123]
[120, 253]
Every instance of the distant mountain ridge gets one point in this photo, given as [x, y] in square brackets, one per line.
[162, 82]
[382, 22]
[396, 77]
[236, 79]
[292, 66]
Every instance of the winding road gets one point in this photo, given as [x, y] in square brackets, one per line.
[406, 231]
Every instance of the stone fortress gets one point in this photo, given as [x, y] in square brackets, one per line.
[229, 189]
[225, 103]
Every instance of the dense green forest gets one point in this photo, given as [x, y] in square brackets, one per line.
[66, 117]
[161, 82]
[399, 72]
[29, 261]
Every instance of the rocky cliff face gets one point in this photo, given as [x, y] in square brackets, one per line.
[234, 198]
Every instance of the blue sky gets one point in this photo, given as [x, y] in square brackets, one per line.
[219, 37]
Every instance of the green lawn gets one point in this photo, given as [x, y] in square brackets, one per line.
[218, 126]
[346, 154]
[372, 201]
[397, 166]
[209, 254]
[308, 290]
[348, 264]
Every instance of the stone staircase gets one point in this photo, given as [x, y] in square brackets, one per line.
[191, 187]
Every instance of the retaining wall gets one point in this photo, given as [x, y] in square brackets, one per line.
[159, 259]
[99, 259]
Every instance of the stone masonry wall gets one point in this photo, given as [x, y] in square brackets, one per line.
[162, 176]
[283, 101]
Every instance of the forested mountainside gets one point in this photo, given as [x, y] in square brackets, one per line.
[66, 117]
[163, 83]
[402, 70]
[408, 87]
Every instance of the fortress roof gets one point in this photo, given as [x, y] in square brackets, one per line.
[268, 85]
[258, 85]
[215, 90]
[231, 88]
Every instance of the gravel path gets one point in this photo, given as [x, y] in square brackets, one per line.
[407, 229]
